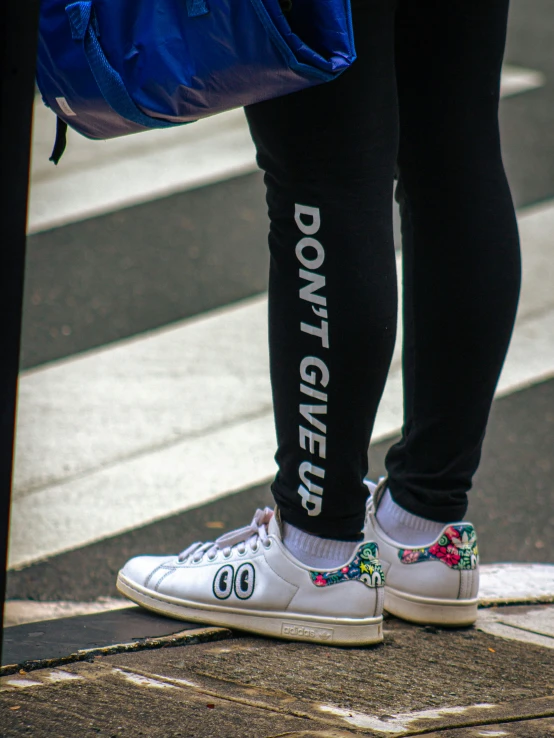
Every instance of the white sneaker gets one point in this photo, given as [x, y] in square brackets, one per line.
[248, 580]
[436, 584]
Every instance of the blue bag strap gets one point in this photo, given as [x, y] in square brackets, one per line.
[84, 28]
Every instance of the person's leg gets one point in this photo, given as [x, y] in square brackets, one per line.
[461, 285]
[460, 247]
[329, 155]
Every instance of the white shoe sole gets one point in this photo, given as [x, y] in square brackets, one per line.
[290, 626]
[430, 611]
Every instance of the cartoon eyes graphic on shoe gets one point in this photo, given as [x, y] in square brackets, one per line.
[242, 582]
[223, 582]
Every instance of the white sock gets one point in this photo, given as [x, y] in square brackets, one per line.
[316, 552]
[404, 527]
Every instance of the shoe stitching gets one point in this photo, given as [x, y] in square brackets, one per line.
[157, 587]
[466, 583]
[149, 577]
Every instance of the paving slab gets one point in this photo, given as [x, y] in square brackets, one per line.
[541, 728]
[414, 670]
[527, 624]
[421, 680]
[65, 640]
[100, 701]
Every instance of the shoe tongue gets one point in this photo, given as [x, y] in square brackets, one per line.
[378, 493]
[274, 527]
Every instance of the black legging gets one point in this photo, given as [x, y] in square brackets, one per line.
[421, 100]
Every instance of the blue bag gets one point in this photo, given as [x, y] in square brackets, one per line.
[112, 67]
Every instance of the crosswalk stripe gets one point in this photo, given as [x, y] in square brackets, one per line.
[516, 80]
[97, 177]
[100, 177]
[18, 612]
[182, 415]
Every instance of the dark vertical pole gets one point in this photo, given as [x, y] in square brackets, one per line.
[18, 37]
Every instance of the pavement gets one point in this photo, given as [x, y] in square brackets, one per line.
[144, 423]
[131, 673]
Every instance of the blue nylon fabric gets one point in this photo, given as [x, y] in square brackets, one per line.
[123, 66]
[108, 80]
[197, 7]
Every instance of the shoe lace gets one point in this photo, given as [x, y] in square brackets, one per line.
[251, 535]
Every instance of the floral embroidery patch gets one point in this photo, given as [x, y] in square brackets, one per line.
[457, 548]
[364, 566]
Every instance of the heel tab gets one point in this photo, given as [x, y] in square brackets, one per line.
[456, 547]
[379, 491]
[364, 566]
[376, 492]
